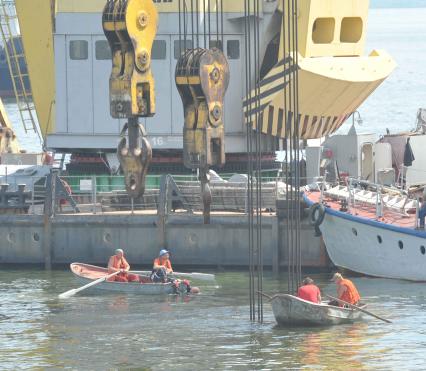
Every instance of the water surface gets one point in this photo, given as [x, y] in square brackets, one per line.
[211, 331]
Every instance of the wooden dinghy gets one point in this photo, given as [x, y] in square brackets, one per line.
[290, 310]
[87, 273]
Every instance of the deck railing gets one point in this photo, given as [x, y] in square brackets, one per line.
[107, 195]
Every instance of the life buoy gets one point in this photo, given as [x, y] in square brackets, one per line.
[316, 216]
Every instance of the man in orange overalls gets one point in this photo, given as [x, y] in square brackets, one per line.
[118, 262]
[346, 290]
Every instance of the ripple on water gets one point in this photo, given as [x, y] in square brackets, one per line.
[208, 332]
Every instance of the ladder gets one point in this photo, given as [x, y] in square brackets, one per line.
[16, 61]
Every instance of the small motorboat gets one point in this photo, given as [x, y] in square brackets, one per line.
[290, 310]
[87, 273]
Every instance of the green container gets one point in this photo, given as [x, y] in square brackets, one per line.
[153, 181]
[102, 184]
[117, 183]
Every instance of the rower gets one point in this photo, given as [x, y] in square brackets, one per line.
[346, 290]
[162, 267]
[117, 263]
[309, 291]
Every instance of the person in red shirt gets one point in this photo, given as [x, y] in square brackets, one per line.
[309, 291]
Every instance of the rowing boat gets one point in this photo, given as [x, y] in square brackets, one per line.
[87, 273]
[290, 310]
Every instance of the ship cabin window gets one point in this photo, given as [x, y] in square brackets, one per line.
[233, 49]
[102, 50]
[159, 50]
[79, 50]
[351, 30]
[216, 44]
[422, 250]
[401, 244]
[181, 47]
[323, 30]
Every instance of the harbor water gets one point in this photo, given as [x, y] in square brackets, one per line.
[210, 331]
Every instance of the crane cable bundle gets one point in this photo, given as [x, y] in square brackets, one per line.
[291, 144]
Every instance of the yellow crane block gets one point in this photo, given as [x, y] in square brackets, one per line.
[130, 27]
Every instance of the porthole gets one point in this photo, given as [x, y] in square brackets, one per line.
[36, 237]
[401, 244]
[422, 250]
[354, 231]
[107, 238]
[379, 238]
[11, 237]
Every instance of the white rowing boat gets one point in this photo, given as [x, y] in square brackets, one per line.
[87, 273]
[290, 310]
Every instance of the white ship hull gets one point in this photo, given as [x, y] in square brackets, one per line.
[354, 243]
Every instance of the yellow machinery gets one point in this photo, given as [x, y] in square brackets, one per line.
[334, 76]
[8, 141]
[202, 77]
[130, 27]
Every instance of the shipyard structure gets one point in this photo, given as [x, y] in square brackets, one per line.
[69, 64]
[69, 61]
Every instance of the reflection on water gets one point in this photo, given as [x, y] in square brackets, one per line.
[211, 331]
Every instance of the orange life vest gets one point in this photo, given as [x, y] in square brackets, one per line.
[351, 294]
[163, 263]
[119, 263]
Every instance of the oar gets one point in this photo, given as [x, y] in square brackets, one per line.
[269, 297]
[194, 275]
[360, 309]
[69, 293]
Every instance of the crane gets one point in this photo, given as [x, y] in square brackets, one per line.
[130, 27]
[202, 78]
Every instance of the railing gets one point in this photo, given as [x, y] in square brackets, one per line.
[107, 195]
[363, 195]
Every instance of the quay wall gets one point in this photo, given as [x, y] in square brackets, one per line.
[30, 239]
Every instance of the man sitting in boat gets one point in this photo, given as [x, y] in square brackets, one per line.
[346, 290]
[162, 267]
[117, 263]
[309, 291]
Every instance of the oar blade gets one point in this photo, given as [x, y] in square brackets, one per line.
[203, 277]
[72, 292]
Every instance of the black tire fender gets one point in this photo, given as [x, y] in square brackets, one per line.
[316, 214]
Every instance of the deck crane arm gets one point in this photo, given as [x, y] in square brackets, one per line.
[130, 27]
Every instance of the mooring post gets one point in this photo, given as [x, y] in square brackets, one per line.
[162, 211]
[49, 212]
[276, 247]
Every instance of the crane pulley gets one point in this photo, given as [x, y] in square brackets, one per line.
[130, 27]
[202, 78]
